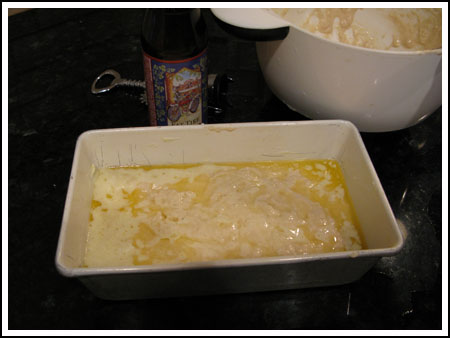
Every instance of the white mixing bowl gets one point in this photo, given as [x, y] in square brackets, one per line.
[377, 90]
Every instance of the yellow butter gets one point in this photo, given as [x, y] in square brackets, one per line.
[204, 212]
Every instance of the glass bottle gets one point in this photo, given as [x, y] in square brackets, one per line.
[174, 42]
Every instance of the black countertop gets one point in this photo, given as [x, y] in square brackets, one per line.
[54, 55]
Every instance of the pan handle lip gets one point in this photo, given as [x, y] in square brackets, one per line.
[253, 24]
[254, 34]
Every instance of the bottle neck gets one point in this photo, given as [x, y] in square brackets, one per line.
[173, 34]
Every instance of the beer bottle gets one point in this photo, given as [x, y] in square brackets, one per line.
[174, 42]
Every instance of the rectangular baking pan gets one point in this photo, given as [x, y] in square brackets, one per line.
[237, 142]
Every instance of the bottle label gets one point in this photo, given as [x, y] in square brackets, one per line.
[176, 90]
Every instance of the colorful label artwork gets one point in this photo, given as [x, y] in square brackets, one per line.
[176, 90]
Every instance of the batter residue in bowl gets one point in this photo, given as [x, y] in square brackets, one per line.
[377, 28]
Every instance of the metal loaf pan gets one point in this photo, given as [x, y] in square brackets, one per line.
[240, 142]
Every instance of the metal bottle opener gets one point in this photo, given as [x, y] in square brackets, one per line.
[217, 85]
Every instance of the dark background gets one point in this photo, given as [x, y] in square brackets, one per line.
[54, 56]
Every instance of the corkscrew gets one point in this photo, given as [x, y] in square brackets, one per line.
[217, 88]
[117, 81]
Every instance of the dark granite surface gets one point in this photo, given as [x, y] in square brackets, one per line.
[54, 55]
